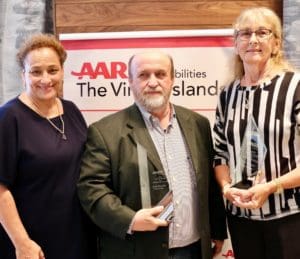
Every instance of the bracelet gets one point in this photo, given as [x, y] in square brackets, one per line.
[279, 187]
[225, 188]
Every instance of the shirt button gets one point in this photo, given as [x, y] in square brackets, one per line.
[177, 225]
[177, 202]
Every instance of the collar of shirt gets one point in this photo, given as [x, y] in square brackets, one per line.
[153, 122]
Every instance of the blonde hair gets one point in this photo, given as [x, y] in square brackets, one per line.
[40, 40]
[270, 17]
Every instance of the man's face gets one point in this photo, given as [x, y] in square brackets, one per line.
[151, 81]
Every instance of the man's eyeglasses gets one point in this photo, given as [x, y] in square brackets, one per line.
[260, 34]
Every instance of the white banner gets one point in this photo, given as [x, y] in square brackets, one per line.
[96, 71]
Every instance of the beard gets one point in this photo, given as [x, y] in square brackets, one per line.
[151, 103]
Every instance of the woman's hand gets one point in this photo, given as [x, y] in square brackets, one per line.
[29, 250]
[258, 195]
[235, 194]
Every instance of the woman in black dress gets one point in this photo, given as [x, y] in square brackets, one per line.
[42, 139]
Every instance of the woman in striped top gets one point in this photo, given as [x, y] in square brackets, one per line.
[257, 142]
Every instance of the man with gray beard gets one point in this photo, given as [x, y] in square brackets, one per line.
[137, 155]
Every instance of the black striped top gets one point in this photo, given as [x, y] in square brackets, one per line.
[275, 107]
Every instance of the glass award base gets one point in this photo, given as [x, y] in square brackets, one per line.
[245, 184]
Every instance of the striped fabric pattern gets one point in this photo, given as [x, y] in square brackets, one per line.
[275, 107]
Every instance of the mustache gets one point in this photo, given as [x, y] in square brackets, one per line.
[153, 91]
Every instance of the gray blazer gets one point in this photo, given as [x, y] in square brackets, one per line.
[109, 187]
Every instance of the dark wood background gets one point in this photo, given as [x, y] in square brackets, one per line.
[75, 16]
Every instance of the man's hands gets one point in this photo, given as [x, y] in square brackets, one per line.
[146, 220]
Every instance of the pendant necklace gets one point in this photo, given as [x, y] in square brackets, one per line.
[62, 130]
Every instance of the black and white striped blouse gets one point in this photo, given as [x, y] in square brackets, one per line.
[275, 107]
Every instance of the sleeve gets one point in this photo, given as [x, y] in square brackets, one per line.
[221, 156]
[8, 147]
[80, 116]
[76, 113]
[296, 105]
[217, 216]
[216, 211]
[95, 187]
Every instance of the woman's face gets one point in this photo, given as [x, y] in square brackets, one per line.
[42, 74]
[255, 43]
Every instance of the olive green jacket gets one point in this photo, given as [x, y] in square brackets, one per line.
[109, 187]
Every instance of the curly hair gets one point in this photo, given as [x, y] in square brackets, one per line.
[41, 40]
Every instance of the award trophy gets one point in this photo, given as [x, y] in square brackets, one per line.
[153, 185]
[253, 151]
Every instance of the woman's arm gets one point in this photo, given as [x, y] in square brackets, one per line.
[11, 222]
[222, 176]
[260, 192]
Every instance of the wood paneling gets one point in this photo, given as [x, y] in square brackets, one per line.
[135, 15]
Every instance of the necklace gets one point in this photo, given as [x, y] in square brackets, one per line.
[62, 130]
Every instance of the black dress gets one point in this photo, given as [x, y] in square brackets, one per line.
[41, 169]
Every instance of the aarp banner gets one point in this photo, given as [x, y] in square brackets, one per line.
[96, 68]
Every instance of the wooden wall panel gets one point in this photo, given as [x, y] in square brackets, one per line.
[136, 15]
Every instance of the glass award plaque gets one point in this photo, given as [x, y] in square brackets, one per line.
[153, 185]
[248, 169]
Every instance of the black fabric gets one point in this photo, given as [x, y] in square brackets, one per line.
[41, 170]
[192, 251]
[272, 239]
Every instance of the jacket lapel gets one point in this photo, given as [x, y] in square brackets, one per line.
[139, 134]
[188, 129]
